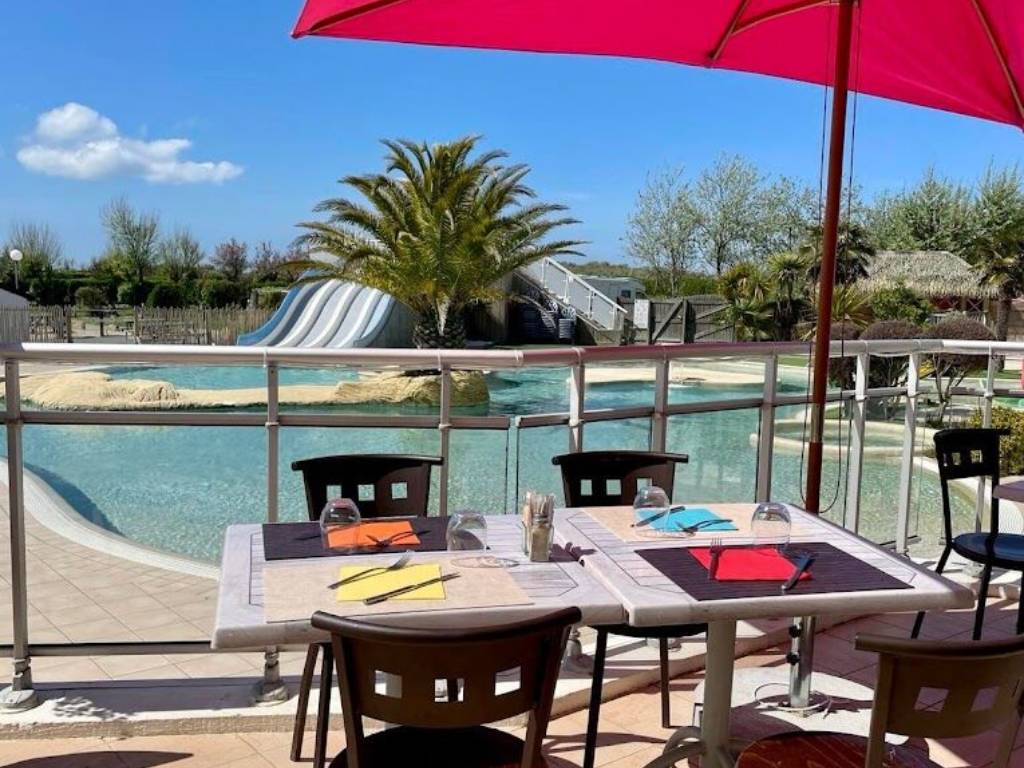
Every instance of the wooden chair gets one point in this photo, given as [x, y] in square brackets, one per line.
[611, 478]
[983, 689]
[451, 732]
[968, 453]
[382, 486]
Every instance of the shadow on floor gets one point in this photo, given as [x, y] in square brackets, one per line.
[132, 759]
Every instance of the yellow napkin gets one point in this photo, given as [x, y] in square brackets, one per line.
[385, 581]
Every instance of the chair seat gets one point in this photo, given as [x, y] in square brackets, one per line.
[478, 747]
[821, 749]
[648, 633]
[1004, 550]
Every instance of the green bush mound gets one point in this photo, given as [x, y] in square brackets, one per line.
[1011, 446]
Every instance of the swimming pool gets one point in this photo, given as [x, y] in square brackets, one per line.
[176, 488]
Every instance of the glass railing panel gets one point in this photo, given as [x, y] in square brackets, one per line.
[789, 464]
[531, 468]
[479, 470]
[721, 378]
[722, 447]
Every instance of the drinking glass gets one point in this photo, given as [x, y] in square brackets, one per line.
[649, 502]
[467, 530]
[337, 515]
[771, 525]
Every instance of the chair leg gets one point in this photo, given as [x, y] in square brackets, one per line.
[666, 715]
[323, 713]
[979, 616]
[305, 683]
[1020, 608]
[590, 746]
[939, 567]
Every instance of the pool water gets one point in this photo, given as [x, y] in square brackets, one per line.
[176, 488]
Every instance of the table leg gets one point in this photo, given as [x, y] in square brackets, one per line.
[721, 655]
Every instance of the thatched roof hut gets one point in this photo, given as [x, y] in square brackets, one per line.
[935, 274]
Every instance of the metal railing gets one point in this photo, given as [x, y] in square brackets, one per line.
[575, 418]
[574, 291]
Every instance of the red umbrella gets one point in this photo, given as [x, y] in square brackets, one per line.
[964, 56]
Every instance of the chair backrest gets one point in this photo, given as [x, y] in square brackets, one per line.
[502, 671]
[380, 484]
[983, 685]
[964, 453]
[610, 478]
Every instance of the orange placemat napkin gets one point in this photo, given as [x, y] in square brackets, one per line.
[369, 534]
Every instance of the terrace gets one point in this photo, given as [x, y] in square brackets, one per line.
[113, 635]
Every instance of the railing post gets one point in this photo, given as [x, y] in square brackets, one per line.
[444, 428]
[577, 395]
[986, 421]
[855, 456]
[19, 695]
[659, 419]
[907, 460]
[273, 442]
[766, 430]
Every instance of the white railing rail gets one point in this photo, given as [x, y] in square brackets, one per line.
[576, 417]
[576, 292]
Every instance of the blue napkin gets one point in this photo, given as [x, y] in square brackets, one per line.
[678, 519]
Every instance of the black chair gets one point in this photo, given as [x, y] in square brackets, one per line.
[967, 453]
[382, 486]
[450, 732]
[611, 478]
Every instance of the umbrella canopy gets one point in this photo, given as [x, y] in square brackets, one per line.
[964, 56]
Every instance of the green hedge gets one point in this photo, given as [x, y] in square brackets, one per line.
[1011, 446]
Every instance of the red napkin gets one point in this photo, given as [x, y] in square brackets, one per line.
[748, 564]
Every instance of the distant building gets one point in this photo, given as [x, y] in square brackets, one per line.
[616, 288]
[12, 300]
[946, 279]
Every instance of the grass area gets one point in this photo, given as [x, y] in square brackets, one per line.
[794, 361]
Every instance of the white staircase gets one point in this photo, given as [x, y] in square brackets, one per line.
[571, 290]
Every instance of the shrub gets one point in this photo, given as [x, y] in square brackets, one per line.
[950, 369]
[90, 296]
[221, 293]
[1011, 446]
[165, 295]
[900, 303]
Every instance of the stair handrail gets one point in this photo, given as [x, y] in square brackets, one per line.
[613, 314]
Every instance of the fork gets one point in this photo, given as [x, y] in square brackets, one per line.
[716, 552]
[389, 540]
[395, 566]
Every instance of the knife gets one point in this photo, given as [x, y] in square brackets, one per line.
[659, 515]
[410, 588]
[802, 565]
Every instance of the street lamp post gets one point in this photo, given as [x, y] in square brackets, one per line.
[16, 256]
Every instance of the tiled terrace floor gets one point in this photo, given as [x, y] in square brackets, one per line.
[630, 731]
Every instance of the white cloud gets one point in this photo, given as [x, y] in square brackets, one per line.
[77, 142]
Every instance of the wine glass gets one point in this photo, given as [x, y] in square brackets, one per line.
[650, 502]
[467, 530]
[771, 525]
[338, 515]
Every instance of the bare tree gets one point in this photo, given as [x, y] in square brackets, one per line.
[133, 239]
[662, 230]
[231, 259]
[180, 256]
[729, 197]
[37, 242]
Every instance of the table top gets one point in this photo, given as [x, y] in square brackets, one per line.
[1012, 491]
[650, 599]
[240, 617]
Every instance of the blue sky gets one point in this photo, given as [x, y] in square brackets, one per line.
[286, 118]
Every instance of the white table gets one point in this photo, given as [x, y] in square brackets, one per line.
[651, 599]
[240, 623]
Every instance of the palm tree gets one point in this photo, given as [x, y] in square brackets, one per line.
[788, 274]
[854, 252]
[437, 230]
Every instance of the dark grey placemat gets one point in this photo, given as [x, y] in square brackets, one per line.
[295, 541]
[833, 571]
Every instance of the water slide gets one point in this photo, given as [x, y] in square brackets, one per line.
[334, 313]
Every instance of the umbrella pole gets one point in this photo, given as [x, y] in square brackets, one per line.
[801, 697]
[830, 239]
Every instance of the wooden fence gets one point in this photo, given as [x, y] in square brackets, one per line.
[689, 319]
[196, 325]
[19, 324]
